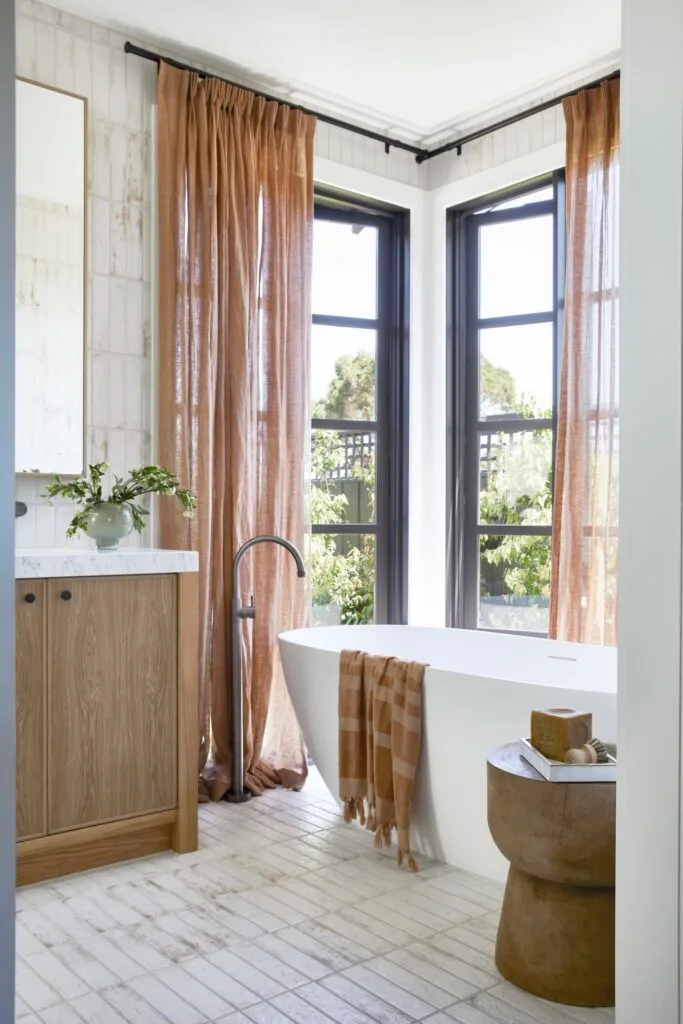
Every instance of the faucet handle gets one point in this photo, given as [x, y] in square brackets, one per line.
[247, 611]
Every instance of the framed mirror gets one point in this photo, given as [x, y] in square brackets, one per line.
[50, 280]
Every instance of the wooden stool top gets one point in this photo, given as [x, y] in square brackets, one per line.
[560, 831]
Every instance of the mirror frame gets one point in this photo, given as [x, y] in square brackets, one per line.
[86, 278]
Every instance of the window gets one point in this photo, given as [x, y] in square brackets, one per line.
[506, 273]
[359, 435]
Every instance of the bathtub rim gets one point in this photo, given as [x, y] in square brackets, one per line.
[302, 638]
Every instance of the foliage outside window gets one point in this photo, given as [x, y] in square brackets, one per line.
[343, 569]
[344, 416]
[518, 492]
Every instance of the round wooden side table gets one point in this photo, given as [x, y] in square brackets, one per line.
[556, 932]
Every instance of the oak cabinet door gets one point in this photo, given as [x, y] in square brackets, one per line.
[112, 698]
[30, 708]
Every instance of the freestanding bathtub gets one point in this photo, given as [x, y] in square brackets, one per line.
[478, 693]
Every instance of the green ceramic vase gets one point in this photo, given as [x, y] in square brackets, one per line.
[108, 524]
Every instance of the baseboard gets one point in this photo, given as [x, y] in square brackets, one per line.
[93, 847]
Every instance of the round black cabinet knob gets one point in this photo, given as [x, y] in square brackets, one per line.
[29, 598]
[66, 595]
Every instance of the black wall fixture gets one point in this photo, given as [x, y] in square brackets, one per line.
[419, 152]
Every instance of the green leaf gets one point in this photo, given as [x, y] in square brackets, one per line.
[88, 493]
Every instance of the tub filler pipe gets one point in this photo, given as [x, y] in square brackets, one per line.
[237, 794]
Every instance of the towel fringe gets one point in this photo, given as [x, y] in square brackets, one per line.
[383, 834]
[354, 808]
[412, 863]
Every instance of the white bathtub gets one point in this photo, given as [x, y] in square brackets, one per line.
[478, 693]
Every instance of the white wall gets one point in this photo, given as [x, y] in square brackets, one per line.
[7, 755]
[650, 524]
[501, 147]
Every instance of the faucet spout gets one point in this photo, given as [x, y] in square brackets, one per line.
[237, 793]
[267, 538]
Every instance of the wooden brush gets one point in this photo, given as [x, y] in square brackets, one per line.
[593, 752]
[586, 754]
[600, 750]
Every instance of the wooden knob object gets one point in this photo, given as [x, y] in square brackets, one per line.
[585, 754]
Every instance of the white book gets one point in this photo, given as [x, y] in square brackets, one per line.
[559, 771]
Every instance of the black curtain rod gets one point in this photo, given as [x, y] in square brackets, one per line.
[420, 153]
[457, 144]
[386, 141]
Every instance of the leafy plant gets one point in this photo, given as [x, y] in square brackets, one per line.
[519, 492]
[344, 578]
[87, 491]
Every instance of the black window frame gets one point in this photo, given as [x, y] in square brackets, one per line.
[391, 424]
[463, 423]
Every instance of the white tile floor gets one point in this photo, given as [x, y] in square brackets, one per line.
[284, 915]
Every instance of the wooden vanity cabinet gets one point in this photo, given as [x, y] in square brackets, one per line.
[106, 720]
[31, 691]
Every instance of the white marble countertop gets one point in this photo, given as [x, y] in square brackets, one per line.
[43, 563]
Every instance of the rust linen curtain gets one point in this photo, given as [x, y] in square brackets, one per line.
[583, 604]
[235, 185]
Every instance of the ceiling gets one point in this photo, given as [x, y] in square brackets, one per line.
[421, 69]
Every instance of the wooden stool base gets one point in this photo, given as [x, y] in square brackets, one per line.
[557, 941]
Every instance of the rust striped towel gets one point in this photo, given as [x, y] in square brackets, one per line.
[380, 721]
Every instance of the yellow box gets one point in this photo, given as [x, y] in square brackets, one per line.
[556, 730]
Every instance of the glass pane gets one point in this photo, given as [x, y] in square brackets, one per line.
[343, 476]
[516, 371]
[516, 267]
[542, 195]
[343, 373]
[342, 579]
[515, 478]
[344, 269]
[514, 583]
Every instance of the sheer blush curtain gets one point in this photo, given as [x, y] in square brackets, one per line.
[583, 604]
[235, 185]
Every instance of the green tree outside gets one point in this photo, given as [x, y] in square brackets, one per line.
[518, 490]
[343, 568]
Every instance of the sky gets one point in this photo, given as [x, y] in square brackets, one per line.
[344, 284]
[516, 277]
[516, 274]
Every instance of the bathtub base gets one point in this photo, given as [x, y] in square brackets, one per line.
[557, 941]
